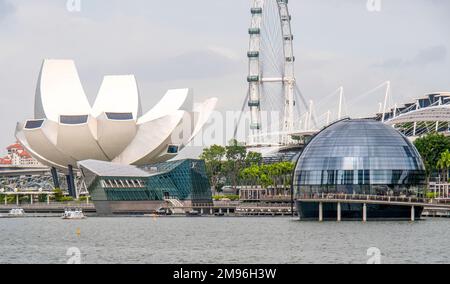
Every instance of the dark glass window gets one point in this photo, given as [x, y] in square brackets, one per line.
[119, 116]
[73, 119]
[34, 124]
[173, 149]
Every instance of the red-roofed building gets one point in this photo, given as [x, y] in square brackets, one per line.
[18, 156]
[5, 161]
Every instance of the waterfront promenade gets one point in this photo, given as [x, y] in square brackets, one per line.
[236, 208]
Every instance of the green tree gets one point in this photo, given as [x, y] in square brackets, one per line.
[236, 155]
[214, 159]
[251, 175]
[278, 174]
[253, 158]
[431, 148]
[286, 170]
[444, 164]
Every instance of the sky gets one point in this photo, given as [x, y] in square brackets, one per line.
[202, 44]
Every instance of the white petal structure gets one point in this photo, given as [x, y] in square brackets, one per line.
[59, 91]
[66, 129]
[116, 110]
[173, 100]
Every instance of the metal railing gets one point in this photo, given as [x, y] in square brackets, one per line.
[363, 197]
[49, 205]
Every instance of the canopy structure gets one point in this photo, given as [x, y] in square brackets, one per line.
[429, 114]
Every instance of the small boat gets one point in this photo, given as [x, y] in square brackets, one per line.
[16, 213]
[193, 213]
[163, 212]
[76, 214]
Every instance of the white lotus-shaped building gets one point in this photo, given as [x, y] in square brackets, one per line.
[66, 129]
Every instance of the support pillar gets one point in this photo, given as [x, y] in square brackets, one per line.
[228, 211]
[339, 217]
[201, 211]
[6, 199]
[69, 185]
[73, 190]
[87, 199]
[17, 200]
[48, 199]
[413, 214]
[320, 212]
[365, 212]
[31, 199]
[55, 178]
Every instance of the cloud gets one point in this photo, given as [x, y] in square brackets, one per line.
[178, 43]
[425, 57]
[431, 55]
[193, 65]
[6, 8]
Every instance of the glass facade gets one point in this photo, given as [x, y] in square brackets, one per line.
[360, 157]
[182, 180]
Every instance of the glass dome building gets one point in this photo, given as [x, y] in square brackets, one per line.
[359, 157]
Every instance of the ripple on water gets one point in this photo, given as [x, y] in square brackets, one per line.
[221, 240]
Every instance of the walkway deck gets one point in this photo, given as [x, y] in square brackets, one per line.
[369, 199]
[48, 208]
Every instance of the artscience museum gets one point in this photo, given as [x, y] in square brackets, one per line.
[66, 129]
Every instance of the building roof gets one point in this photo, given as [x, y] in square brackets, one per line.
[5, 161]
[14, 146]
[24, 154]
[108, 169]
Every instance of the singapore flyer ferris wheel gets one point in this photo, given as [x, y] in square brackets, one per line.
[272, 84]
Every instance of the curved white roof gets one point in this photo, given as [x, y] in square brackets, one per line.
[151, 137]
[59, 91]
[173, 100]
[117, 94]
[203, 113]
[44, 139]
[79, 141]
[114, 136]
[20, 136]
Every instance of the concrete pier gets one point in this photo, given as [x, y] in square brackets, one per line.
[339, 212]
[320, 212]
[365, 212]
[413, 214]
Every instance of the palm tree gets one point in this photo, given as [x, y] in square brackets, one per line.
[444, 164]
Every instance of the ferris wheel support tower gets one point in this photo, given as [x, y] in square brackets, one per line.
[256, 77]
